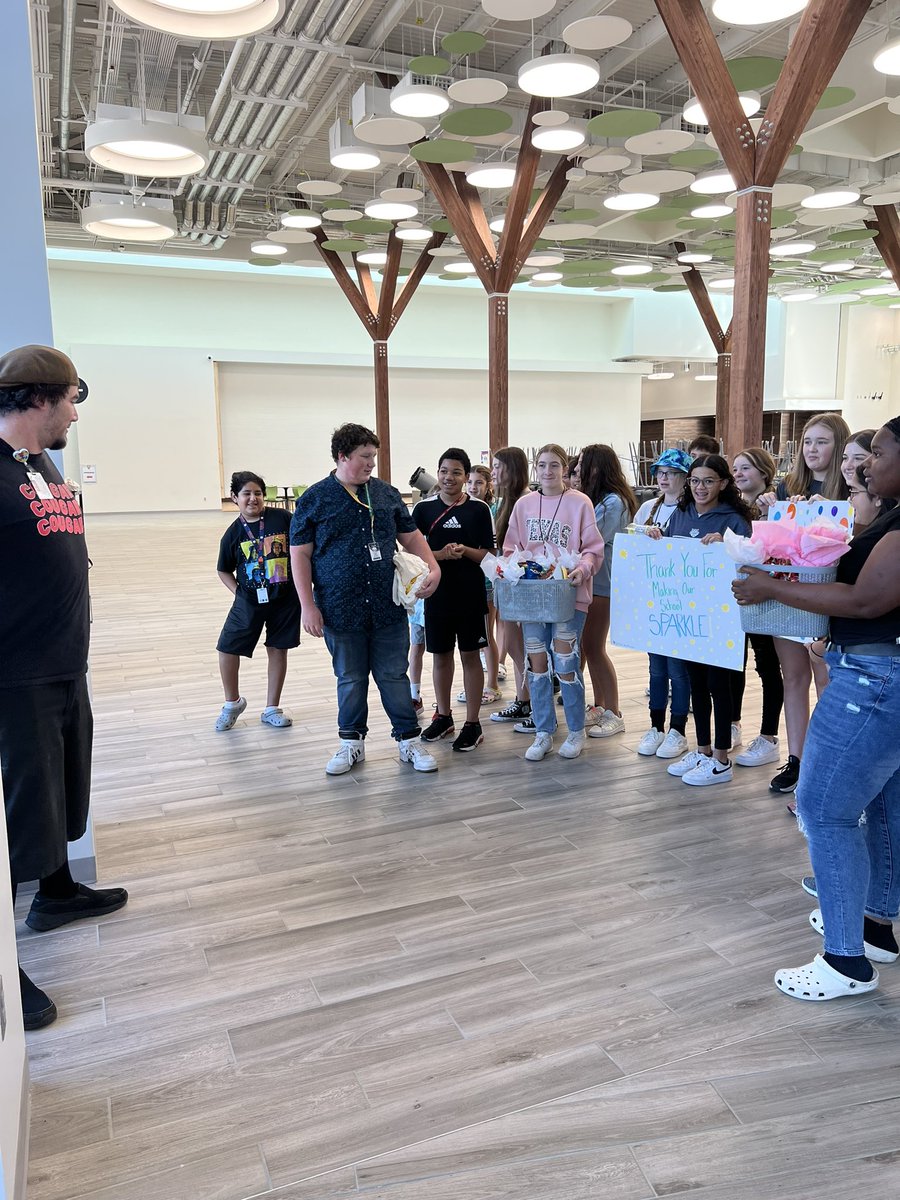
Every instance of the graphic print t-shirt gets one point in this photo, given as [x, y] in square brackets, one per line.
[239, 555]
[44, 616]
[471, 525]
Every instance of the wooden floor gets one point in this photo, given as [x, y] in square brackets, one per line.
[545, 981]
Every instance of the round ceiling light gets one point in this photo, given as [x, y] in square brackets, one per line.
[390, 210]
[410, 99]
[887, 60]
[146, 148]
[126, 220]
[722, 285]
[635, 268]
[414, 233]
[799, 296]
[693, 256]
[275, 249]
[301, 218]
[706, 378]
[461, 267]
[559, 138]
[374, 258]
[791, 249]
[347, 152]
[713, 183]
[491, 174]
[756, 12]
[559, 75]
[547, 276]
[833, 198]
[204, 19]
[709, 212]
[659, 373]
[319, 187]
[497, 224]
[630, 201]
[839, 268]
[544, 260]
[694, 114]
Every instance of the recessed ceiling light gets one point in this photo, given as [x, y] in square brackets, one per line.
[833, 198]
[390, 210]
[158, 144]
[799, 296]
[412, 99]
[694, 256]
[630, 201]
[491, 174]
[713, 183]
[708, 212]
[301, 218]
[756, 12]
[204, 19]
[636, 268]
[887, 60]
[559, 75]
[126, 219]
[791, 249]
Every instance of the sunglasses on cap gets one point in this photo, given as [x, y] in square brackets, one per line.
[83, 392]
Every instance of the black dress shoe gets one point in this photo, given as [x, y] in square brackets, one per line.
[38, 1009]
[87, 902]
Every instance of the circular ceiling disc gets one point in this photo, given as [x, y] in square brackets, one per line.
[624, 122]
[568, 232]
[389, 131]
[786, 232]
[657, 182]
[603, 164]
[443, 252]
[882, 198]
[477, 91]
[402, 195]
[476, 122]
[660, 141]
[443, 150]
[517, 10]
[553, 116]
[822, 217]
[544, 260]
[292, 236]
[342, 214]
[786, 195]
[675, 269]
[319, 187]
[597, 33]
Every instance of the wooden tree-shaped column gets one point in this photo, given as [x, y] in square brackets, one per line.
[720, 338]
[379, 312]
[823, 35]
[886, 224]
[498, 266]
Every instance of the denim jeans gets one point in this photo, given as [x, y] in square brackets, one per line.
[383, 653]
[851, 766]
[662, 669]
[538, 635]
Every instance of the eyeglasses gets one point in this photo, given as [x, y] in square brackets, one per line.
[695, 482]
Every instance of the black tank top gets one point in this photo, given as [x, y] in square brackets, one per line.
[850, 631]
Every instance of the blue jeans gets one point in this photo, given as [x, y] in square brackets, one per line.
[383, 653]
[538, 635]
[851, 766]
[662, 669]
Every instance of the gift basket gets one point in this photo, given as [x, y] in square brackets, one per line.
[532, 587]
[802, 554]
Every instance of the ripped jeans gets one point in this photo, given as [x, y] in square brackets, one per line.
[851, 766]
[565, 642]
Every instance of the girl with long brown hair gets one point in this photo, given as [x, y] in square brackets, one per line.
[509, 475]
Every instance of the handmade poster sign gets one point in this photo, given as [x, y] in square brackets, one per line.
[808, 512]
[673, 597]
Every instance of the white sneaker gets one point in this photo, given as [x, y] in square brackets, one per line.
[651, 742]
[461, 697]
[759, 752]
[608, 725]
[573, 745]
[229, 714]
[413, 751]
[708, 771]
[674, 743]
[692, 759]
[540, 747]
[345, 758]
[735, 735]
[593, 714]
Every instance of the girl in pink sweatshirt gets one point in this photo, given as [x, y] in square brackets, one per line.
[540, 521]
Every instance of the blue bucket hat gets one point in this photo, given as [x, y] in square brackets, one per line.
[673, 460]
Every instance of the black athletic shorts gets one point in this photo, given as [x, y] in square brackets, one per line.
[246, 621]
[46, 734]
[447, 626]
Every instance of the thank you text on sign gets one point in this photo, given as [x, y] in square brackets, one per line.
[673, 597]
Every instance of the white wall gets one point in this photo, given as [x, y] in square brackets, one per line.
[865, 369]
[13, 1062]
[812, 346]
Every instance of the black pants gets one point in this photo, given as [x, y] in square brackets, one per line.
[712, 693]
[768, 668]
[46, 735]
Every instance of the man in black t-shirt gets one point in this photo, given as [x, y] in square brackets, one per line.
[254, 566]
[46, 726]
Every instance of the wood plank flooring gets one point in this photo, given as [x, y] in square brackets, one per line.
[545, 981]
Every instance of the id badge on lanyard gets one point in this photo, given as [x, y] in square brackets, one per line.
[258, 545]
[40, 485]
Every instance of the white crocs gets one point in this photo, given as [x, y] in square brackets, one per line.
[819, 981]
[229, 714]
[275, 717]
[873, 953]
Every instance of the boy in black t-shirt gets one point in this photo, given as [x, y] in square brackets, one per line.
[255, 567]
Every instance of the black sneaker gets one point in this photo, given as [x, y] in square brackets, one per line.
[470, 736]
[439, 728]
[517, 711]
[786, 779]
[526, 726]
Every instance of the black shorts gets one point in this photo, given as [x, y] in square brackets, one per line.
[449, 625]
[246, 621]
[46, 735]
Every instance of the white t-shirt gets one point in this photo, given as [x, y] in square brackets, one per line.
[662, 514]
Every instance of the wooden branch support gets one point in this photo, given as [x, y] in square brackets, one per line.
[886, 223]
[743, 417]
[457, 214]
[345, 283]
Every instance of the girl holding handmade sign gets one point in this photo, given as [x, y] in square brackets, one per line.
[509, 475]
[816, 473]
[851, 765]
[561, 518]
[711, 504]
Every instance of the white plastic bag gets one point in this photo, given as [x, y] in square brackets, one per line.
[409, 574]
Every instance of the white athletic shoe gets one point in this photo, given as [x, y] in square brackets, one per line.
[345, 758]
[708, 771]
[651, 742]
[573, 745]
[759, 752]
[675, 743]
[692, 759]
[608, 725]
[540, 747]
[593, 714]
[735, 735]
[413, 751]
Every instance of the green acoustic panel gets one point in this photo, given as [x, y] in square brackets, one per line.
[783, 280]
[693, 223]
[338, 203]
[585, 281]
[464, 41]
[454, 276]
[624, 122]
[754, 72]
[344, 244]
[659, 214]
[693, 158]
[671, 287]
[429, 64]
[585, 266]
[476, 122]
[443, 150]
[842, 289]
[719, 245]
[848, 236]
[441, 225]
[882, 301]
[829, 254]
[588, 215]
[834, 97]
[655, 277]
[367, 225]
[263, 260]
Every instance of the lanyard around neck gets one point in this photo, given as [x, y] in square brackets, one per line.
[363, 504]
[455, 504]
